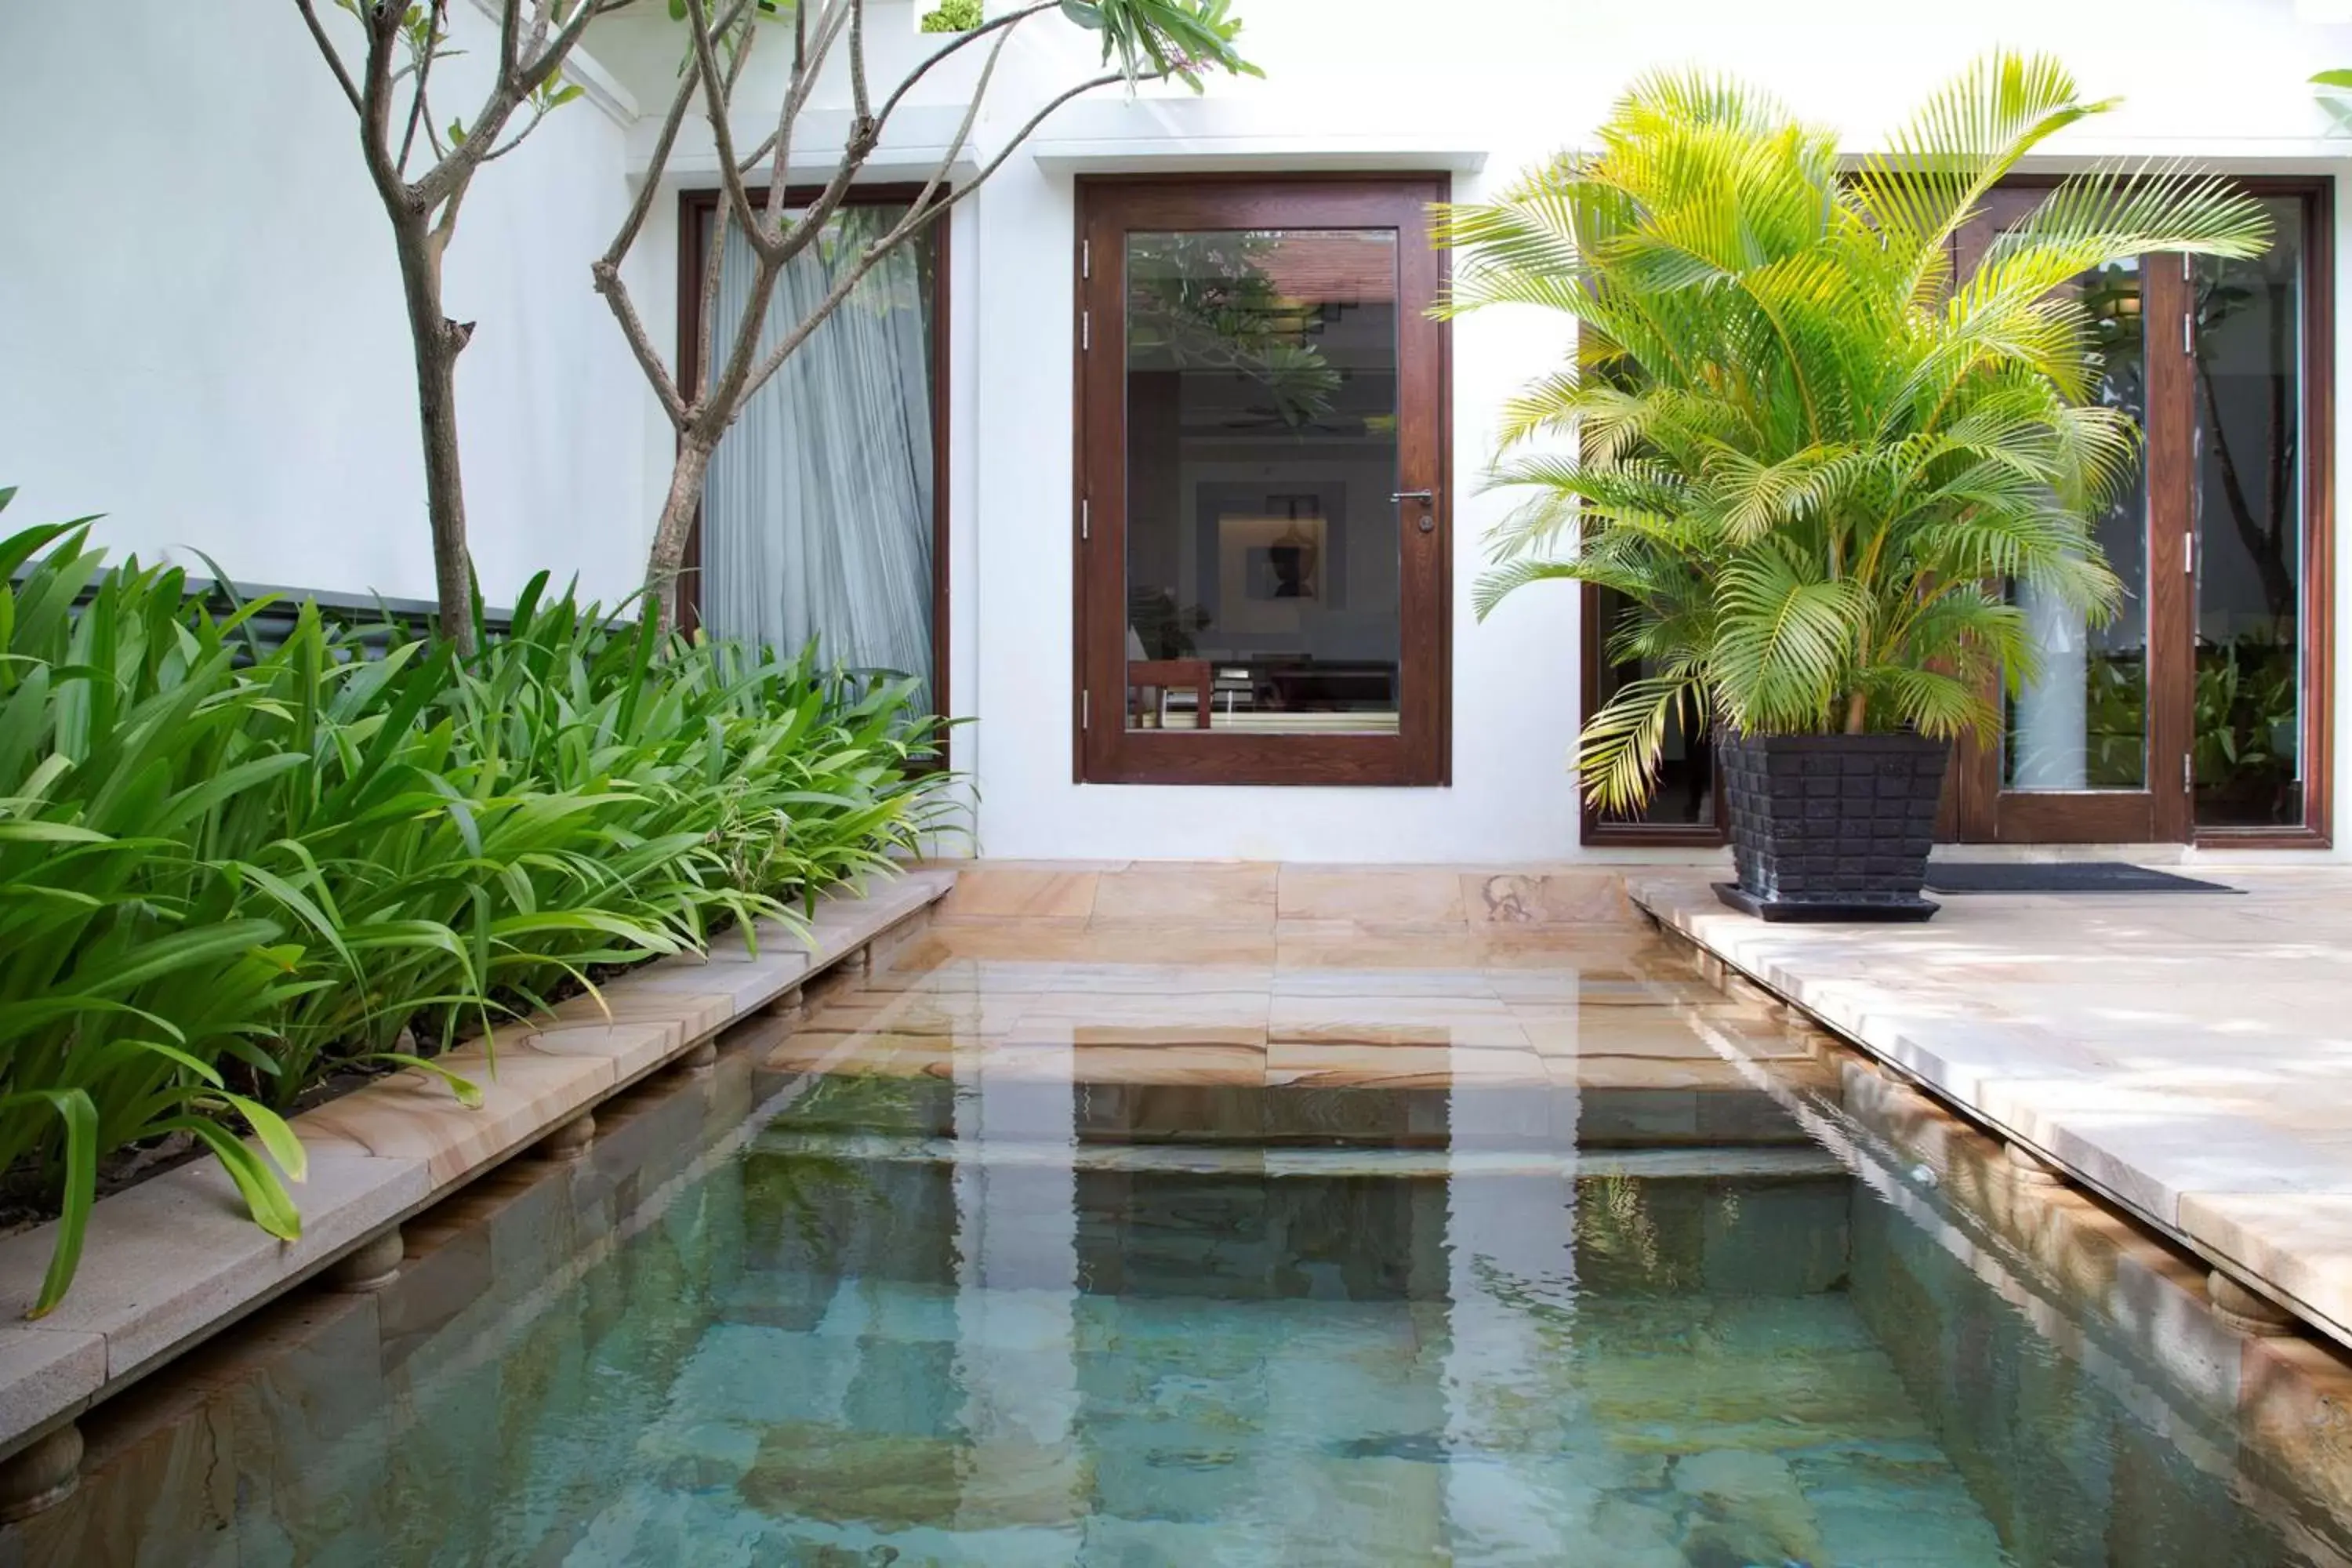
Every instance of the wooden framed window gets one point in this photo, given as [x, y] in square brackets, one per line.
[854, 426]
[1686, 811]
[1262, 518]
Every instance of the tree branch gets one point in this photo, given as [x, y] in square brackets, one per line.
[538, 113]
[606, 273]
[1109, 78]
[375, 110]
[507, 92]
[416, 107]
[881, 119]
[672, 123]
[809, 323]
[807, 68]
[971, 118]
[862, 139]
[861, 105]
[327, 51]
[924, 211]
[445, 227]
[1010, 19]
[706, 315]
[714, 101]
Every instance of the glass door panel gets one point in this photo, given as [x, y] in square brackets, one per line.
[2091, 748]
[2248, 517]
[2083, 723]
[1264, 559]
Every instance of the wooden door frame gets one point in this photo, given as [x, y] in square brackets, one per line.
[2317, 612]
[695, 208]
[1978, 809]
[2159, 811]
[1103, 750]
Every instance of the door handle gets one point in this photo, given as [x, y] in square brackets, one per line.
[1428, 499]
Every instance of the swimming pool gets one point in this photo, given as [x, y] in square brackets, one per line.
[1052, 1260]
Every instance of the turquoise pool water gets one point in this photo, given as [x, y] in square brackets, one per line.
[906, 1321]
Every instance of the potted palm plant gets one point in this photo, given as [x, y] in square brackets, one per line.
[1812, 460]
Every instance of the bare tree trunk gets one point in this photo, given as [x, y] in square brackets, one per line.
[438, 341]
[667, 557]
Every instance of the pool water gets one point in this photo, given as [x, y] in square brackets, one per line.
[1694, 1306]
[1332, 1356]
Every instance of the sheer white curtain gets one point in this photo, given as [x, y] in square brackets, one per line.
[816, 515]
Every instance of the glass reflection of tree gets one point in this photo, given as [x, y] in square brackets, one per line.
[2115, 718]
[1204, 301]
[2224, 291]
[2249, 686]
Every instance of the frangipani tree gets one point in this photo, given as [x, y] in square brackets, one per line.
[1806, 453]
[422, 168]
[1142, 40]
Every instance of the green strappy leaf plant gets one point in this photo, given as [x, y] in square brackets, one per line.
[231, 867]
[1807, 455]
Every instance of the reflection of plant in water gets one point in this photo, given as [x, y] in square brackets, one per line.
[812, 1194]
[825, 1199]
[1202, 301]
[1547, 1306]
[1620, 1226]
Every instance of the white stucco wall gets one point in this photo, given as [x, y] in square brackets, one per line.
[246, 389]
[1485, 92]
[200, 316]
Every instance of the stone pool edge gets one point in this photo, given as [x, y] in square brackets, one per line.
[171, 1262]
[1988, 1068]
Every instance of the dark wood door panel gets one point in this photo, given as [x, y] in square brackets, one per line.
[1128, 426]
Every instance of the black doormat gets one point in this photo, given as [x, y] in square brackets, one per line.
[2060, 877]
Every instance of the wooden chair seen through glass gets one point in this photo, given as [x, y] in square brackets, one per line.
[818, 517]
[1263, 551]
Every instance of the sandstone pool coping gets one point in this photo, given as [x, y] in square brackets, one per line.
[2154, 1107]
[171, 1262]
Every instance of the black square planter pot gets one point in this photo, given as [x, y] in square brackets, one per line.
[1831, 827]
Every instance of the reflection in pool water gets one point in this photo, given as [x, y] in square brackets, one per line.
[1727, 1298]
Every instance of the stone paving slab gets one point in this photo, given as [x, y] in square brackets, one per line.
[2189, 1056]
[172, 1260]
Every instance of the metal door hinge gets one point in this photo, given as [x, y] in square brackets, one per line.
[2189, 333]
[1086, 259]
[2188, 772]
[1085, 331]
[1085, 519]
[1085, 711]
[2189, 552]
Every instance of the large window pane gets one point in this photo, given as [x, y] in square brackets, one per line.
[1261, 440]
[817, 513]
[2249, 521]
[2083, 723]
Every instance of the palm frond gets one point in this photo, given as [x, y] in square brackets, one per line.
[1807, 459]
[1622, 745]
